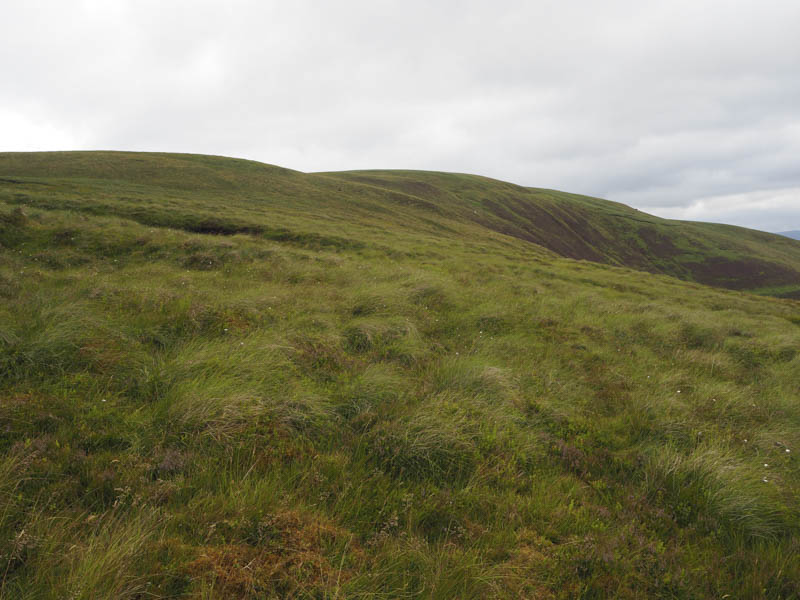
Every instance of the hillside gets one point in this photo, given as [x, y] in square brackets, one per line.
[229, 196]
[586, 228]
[223, 379]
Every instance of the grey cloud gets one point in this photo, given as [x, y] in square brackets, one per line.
[775, 209]
[659, 105]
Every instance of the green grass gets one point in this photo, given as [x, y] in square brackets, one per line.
[353, 390]
[592, 229]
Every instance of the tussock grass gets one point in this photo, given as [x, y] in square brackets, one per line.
[707, 485]
[243, 399]
[82, 556]
[424, 446]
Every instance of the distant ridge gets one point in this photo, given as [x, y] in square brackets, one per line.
[218, 195]
[791, 234]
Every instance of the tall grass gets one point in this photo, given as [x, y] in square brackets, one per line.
[247, 414]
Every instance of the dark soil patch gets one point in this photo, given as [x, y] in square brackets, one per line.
[570, 237]
[741, 274]
[659, 244]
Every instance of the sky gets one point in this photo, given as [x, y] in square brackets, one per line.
[687, 109]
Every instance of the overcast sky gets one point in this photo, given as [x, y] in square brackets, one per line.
[682, 108]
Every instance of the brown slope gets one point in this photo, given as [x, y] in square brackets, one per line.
[581, 227]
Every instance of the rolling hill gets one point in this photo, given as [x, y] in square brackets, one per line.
[225, 379]
[586, 228]
[229, 196]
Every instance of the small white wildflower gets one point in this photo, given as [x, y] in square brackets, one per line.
[766, 465]
[765, 480]
[103, 400]
[787, 450]
[679, 391]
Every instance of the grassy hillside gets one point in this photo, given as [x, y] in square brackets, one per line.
[206, 194]
[220, 379]
[588, 228]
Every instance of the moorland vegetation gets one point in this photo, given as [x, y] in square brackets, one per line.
[223, 379]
